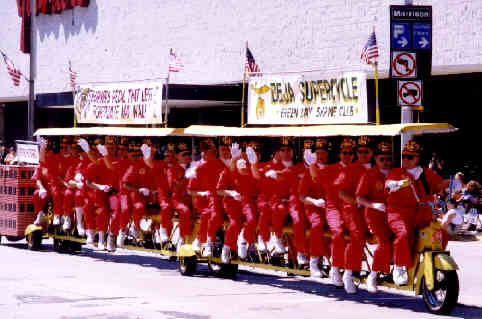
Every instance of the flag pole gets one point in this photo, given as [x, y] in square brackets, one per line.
[167, 90]
[244, 87]
[377, 111]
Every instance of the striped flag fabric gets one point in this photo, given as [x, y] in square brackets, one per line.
[14, 73]
[370, 51]
[250, 65]
[73, 76]
[175, 65]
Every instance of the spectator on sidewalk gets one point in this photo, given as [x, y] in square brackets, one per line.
[11, 157]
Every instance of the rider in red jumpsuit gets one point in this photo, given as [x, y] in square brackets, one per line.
[371, 194]
[409, 189]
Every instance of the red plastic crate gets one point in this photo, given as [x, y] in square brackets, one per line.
[14, 224]
[20, 193]
[20, 173]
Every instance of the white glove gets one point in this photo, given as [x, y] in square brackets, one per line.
[240, 163]
[146, 151]
[316, 202]
[190, 172]
[271, 173]
[102, 150]
[310, 157]
[252, 157]
[80, 185]
[84, 145]
[203, 194]
[394, 186]
[78, 177]
[235, 151]
[234, 194]
[42, 142]
[104, 188]
[144, 191]
[379, 206]
[42, 192]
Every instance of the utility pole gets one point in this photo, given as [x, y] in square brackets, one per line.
[31, 83]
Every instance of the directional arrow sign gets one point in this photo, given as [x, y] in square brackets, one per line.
[422, 36]
[401, 35]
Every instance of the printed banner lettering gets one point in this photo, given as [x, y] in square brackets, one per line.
[27, 153]
[119, 103]
[297, 100]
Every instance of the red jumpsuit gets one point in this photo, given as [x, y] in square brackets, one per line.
[96, 209]
[57, 188]
[69, 193]
[405, 214]
[334, 218]
[285, 200]
[372, 187]
[313, 188]
[353, 216]
[139, 175]
[177, 199]
[119, 203]
[238, 211]
[265, 192]
[41, 174]
[208, 207]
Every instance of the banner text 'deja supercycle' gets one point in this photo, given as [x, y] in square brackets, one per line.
[295, 99]
[119, 103]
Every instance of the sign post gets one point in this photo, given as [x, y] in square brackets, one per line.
[411, 56]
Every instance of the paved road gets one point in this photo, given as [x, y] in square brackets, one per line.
[128, 285]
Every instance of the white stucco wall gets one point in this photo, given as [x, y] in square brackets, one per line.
[130, 39]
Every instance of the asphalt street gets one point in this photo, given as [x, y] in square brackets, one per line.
[128, 285]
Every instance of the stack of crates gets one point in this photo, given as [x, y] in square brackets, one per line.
[16, 199]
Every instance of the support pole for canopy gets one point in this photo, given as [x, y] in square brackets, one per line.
[244, 87]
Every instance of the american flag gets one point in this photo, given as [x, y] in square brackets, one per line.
[73, 76]
[370, 50]
[250, 65]
[14, 73]
[175, 65]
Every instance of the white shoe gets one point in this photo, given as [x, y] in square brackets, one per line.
[350, 287]
[226, 255]
[372, 282]
[67, 223]
[134, 232]
[279, 248]
[242, 250]
[196, 246]
[336, 277]
[163, 235]
[315, 271]
[145, 224]
[101, 243]
[56, 220]
[80, 224]
[40, 218]
[208, 250]
[180, 242]
[110, 243]
[261, 245]
[400, 277]
[301, 259]
[90, 237]
[121, 238]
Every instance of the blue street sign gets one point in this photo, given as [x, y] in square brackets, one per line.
[422, 33]
[401, 35]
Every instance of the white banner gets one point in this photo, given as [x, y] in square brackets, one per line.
[27, 153]
[297, 100]
[119, 103]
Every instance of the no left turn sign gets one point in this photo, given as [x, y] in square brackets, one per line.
[404, 64]
[409, 93]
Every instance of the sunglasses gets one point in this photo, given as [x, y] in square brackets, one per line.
[385, 159]
[408, 157]
[363, 151]
[347, 153]
[285, 149]
[186, 154]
